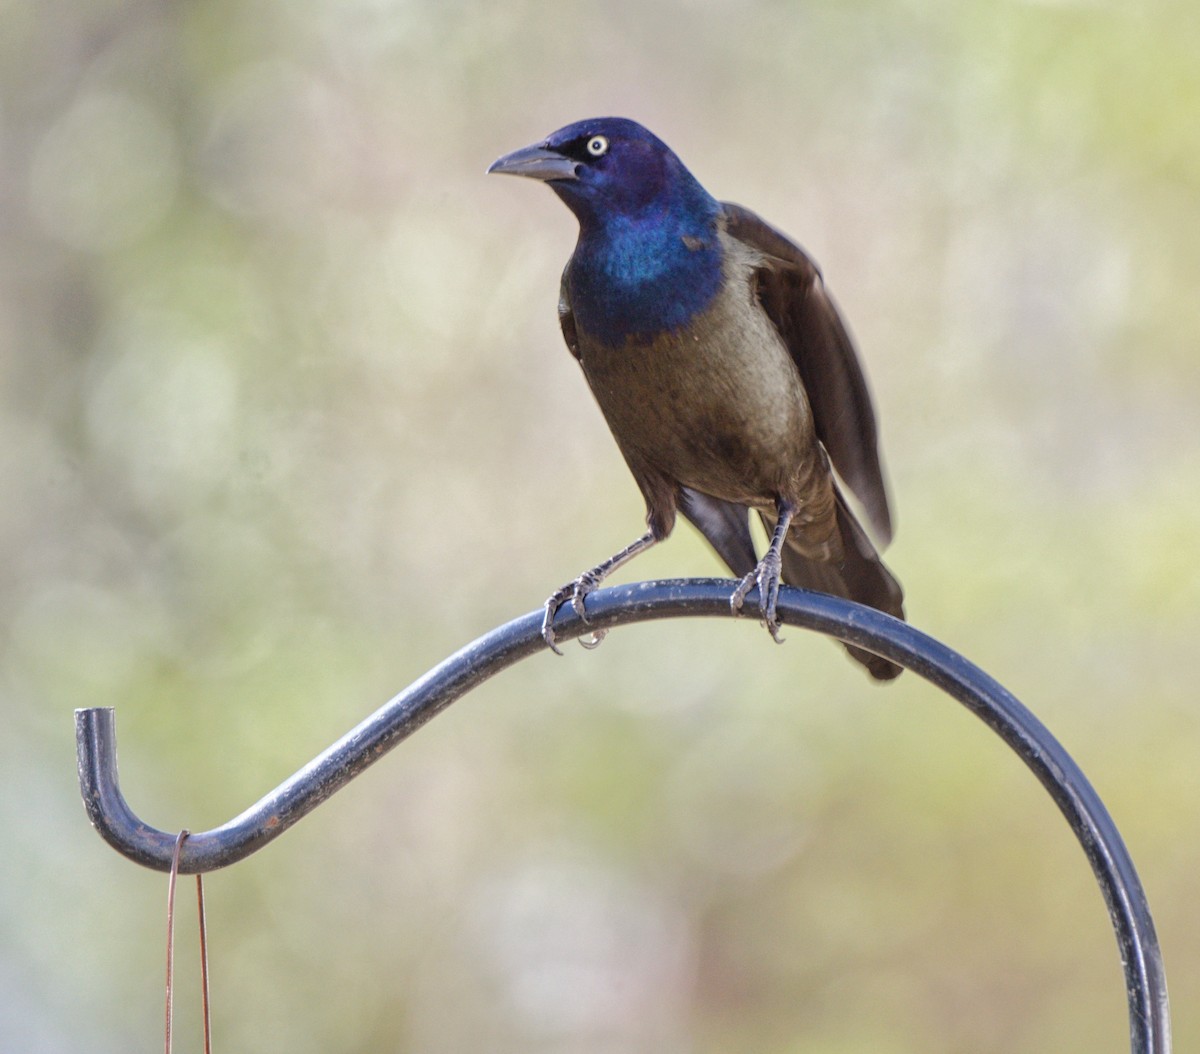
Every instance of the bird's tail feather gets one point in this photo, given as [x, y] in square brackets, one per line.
[860, 576]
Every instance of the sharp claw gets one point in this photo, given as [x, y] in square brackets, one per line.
[594, 639]
[548, 637]
[747, 583]
[769, 610]
[766, 577]
[584, 584]
[552, 605]
[576, 592]
[578, 602]
[580, 589]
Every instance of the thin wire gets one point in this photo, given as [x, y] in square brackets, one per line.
[171, 937]
[204, 966]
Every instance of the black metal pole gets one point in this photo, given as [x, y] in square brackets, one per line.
[1149, 1019]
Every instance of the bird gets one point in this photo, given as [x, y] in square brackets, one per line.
[724, 371]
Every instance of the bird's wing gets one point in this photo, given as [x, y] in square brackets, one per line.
[724, 524]
[791, 291]
[566, 317]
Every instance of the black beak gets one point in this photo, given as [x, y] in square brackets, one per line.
[535, 162]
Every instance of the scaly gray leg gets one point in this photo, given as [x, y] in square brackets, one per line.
[766, 574]
[577, 591]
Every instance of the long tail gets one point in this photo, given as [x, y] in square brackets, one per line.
[860, 576]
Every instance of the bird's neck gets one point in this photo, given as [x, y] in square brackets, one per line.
[635, 277]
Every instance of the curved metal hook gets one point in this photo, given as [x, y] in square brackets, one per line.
[1149, 1019]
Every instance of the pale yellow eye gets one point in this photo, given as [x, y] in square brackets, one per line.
[597, 146]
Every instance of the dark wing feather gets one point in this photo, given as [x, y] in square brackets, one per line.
[566, 317]
[724, 524]
[791, 292]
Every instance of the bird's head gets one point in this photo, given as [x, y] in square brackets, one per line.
[610, 167]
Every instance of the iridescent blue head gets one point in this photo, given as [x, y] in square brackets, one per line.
[648, 259]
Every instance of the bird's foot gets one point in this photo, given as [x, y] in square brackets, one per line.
[766, 577]
[576, 592]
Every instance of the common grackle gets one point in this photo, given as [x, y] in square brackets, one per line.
[723, 369]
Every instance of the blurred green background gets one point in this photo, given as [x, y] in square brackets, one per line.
[285, 419]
